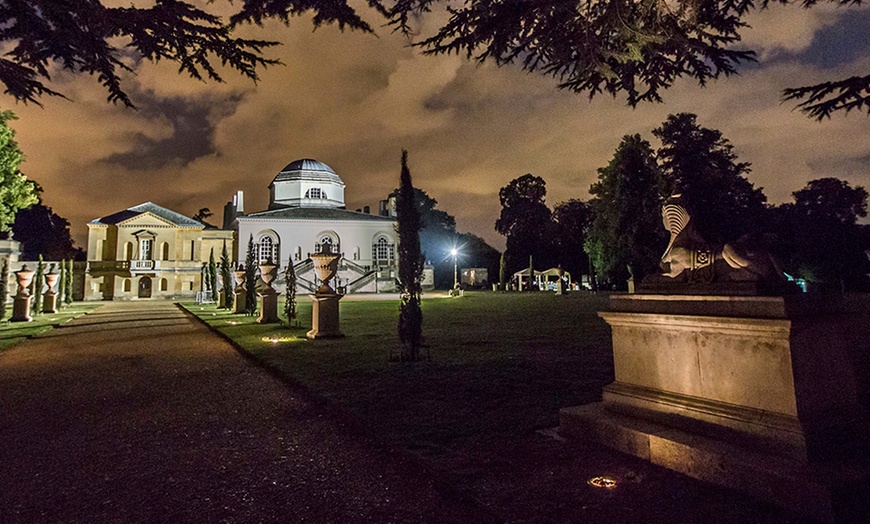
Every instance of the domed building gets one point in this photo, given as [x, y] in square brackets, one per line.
[307, 210]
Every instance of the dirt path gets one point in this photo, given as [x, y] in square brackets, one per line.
[138, 413]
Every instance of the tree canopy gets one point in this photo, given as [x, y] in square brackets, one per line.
[700, 164]
[635, 48]
[16, 192]
[626, 233]
[525, 221]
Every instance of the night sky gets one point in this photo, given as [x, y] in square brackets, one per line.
[354, 101]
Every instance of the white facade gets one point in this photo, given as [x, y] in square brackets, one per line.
[306, 210]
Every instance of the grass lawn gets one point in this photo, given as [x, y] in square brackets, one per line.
[12, 333]
[500, 363]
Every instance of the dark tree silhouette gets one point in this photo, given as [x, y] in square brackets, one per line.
[701, 165]
[626, 231]
[250, 279]
[38, 283]
[202, 214]
[525, 220]
[572, 219]
[226, 279]
[410, 266]
[42, 231]
[823, 243]
[290, 293]
[70, 283]
[4, 287]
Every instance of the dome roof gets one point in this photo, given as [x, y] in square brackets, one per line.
[309, 170]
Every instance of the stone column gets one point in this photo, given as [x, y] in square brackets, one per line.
[21, 302]
[268, 296]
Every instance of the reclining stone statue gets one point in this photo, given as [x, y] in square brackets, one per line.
[690, 259]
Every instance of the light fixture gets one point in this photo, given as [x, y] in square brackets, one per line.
[602, 482]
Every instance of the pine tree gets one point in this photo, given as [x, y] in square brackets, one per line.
[290, 299]
[36, 303]
[68, 295]
[250, 279]
[531, 273]
[410, 267]
[227, 278]
[4, 287]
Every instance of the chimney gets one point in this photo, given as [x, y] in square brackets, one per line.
[239, 201]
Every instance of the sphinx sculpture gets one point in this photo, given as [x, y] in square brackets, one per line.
[690, 259]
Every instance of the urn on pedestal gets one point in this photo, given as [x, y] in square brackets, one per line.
[21, 302]
[49, 302]
[239, 291]
[324, 312]
[268, 295]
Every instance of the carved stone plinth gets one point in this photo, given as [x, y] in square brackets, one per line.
[324, 316]
[21, 302]
[49, 298]
[762, 394]
[268, 306]
[239, 292]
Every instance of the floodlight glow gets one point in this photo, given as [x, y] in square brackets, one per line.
[454, 252]
[602, 482]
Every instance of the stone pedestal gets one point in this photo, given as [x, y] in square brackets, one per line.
[759, 394]
[268, 306]
[21, 301]
[324, 316]
[239, 292]
[49, 298]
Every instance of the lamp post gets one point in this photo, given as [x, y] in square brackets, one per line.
[455, 267]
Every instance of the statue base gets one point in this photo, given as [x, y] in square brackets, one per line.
[21, 309]
[268, 307]
[49, 302]
[766, 395]
[239, 302]
[324, 316]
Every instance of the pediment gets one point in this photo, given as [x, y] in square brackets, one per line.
[146, 219]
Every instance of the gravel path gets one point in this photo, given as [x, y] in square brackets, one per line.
[138, 413]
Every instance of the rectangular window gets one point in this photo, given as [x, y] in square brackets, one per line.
[192, 251]
[145, 248]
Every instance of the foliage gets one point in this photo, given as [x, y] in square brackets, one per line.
[625, 231]
[38, 283]
[525, 220]
[701, 165]
[4, 287]
[61, 286]
[68, 295]
[16, 192]
[226, 279]
[572, 219]
[290, 293]
[250, 279]
[822, 240]
[41, 230]
[83, 37]
[410, 267]
[632, 47]
[202, 214]
[212, 274]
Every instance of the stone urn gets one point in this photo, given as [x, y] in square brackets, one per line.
[267, 273]
[239, 292]
[49, 303]
[326, 266]
[24, 276]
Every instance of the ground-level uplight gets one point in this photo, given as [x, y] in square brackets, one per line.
[275, 339]
[602, 482]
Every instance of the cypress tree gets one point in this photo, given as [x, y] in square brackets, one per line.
[68, 295]
[250, 279]
[36, 303]
[410, 267]
[227, 278]
[531, 273]
[4, 287]
[61, 287]
[212, 275]
[290, 299]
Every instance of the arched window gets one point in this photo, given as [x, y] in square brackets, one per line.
[356, 253]
[163, 284]
[298, 255]
[127, 285]
[267, 249]
[383, 252]
[315, 192]
[328, 240]
[128, 251]
[164, 251]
